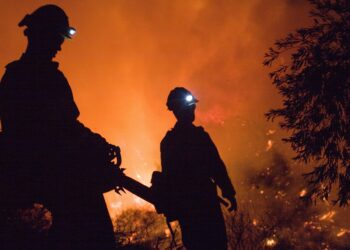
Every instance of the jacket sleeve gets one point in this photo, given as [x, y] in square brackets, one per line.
[165, 158]
[97, 149]
[218, 170]
[1, 98]
[169, 161]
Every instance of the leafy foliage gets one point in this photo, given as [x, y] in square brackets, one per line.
[316, 95]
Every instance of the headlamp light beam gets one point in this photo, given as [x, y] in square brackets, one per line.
[189, 98]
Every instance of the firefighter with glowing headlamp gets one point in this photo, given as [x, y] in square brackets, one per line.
[192, 169]
[46, 20]
[180, 99]
[56, 160]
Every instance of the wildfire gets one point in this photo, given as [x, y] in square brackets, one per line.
[328, 216]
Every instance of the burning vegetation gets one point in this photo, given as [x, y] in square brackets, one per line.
[275, 210]
[274, 213]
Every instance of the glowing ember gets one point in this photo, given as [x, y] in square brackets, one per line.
[255, 222]
[215, 115]
[269, 145]
[328, 216]
[303, 193]
[307, 223]
[270, 132]
[132, 237]
[342, 232]
[167, 232]
[271, 242]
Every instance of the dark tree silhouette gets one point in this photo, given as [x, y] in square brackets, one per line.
[314, 84]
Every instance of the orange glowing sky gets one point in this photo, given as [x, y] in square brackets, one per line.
[128, 54]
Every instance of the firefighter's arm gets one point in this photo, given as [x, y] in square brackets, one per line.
[104, 167]
[220, 175]
[166, 161]
[222, 179]
[109, 157]
[87, 135]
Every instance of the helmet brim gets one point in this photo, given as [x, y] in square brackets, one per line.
[69, 33]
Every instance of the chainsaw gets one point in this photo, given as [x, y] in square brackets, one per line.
[151, 194]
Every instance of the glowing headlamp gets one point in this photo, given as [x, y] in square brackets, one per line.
[189, 98]
[180, 98]
[71, 31]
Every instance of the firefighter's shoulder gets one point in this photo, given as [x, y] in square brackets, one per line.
[164, 144]
[14, 67]
[27, 69]
[14, 73]
[169, 134]
[202, 135]
[201, 131]
[169, 138]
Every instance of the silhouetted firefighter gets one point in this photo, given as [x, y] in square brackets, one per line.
[48, 156]
[191, 170]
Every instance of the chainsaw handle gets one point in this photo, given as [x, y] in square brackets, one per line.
[114, 155]
[118, 156]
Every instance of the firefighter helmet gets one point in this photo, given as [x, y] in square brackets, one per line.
[48, 19]
[180, 98]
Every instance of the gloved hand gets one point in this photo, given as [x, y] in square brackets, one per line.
[233, 204]
[115, 159]
[114, 153]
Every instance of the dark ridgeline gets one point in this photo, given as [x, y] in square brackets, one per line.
[192, 168]
[47, 155]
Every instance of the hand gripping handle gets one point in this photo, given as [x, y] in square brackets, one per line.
[118, 156]
[115, 153]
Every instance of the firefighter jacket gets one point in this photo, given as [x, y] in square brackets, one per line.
[193, 167]
[52, 158]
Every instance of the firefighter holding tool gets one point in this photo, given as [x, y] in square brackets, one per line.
[191, 171]
[51, 157]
